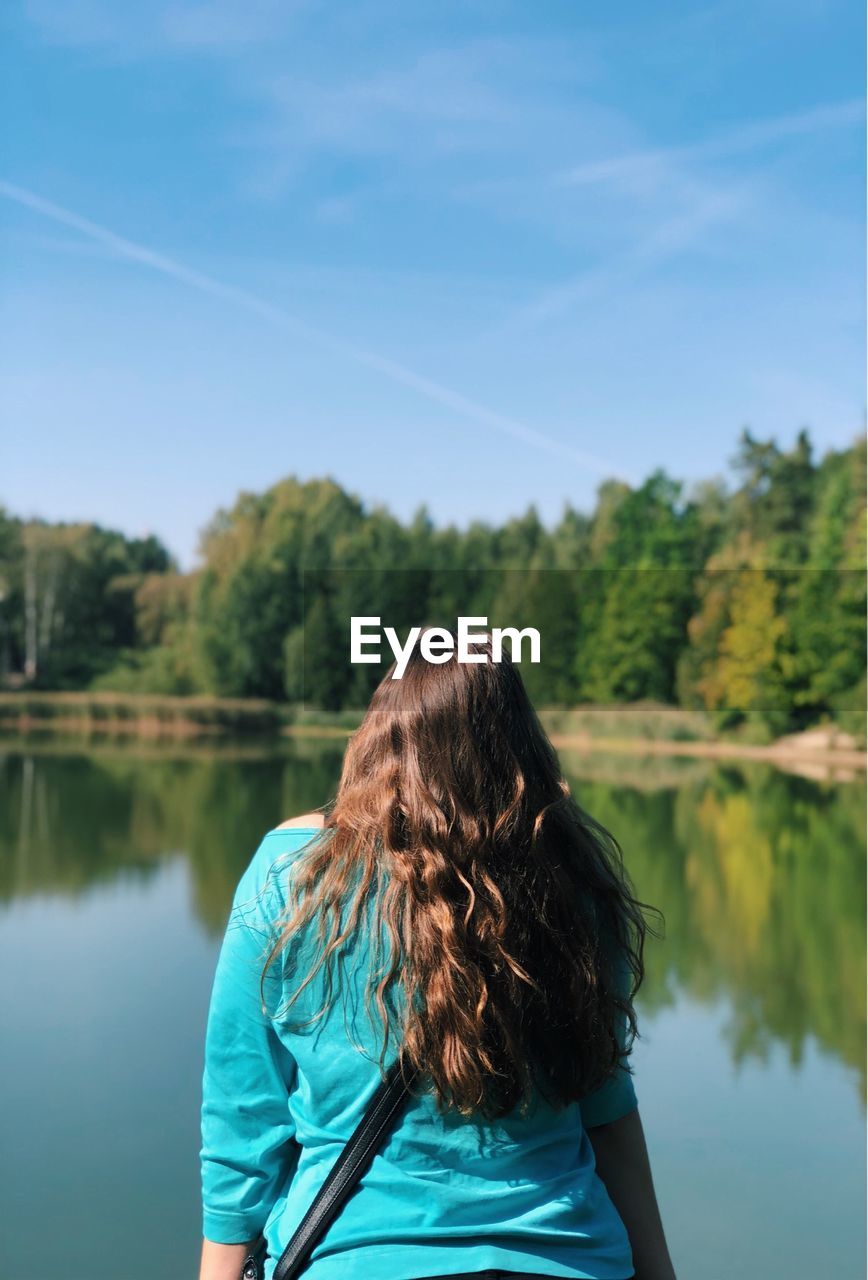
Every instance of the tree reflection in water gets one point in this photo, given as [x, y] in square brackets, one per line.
[760, 875]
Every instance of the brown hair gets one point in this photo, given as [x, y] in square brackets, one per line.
[502, 912]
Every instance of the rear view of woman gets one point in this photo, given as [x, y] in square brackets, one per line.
[455, 905]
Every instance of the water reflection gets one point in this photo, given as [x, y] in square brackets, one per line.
[72, 820]
[760, 875]
[761, 878]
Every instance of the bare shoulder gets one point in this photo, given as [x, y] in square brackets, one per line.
[308, 821]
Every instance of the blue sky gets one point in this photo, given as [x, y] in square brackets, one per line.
[471, 255]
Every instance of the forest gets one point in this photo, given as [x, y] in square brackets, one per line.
[744, 599]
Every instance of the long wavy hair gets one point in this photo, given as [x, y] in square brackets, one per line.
[501, 911]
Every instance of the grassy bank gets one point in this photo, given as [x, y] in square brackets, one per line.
[643, 728]
[157, 716]
[144, 715]
[645, 721]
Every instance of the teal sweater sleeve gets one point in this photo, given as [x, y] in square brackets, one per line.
[247, 1128]
[617, 1096]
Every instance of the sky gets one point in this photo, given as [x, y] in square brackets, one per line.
[470, 255]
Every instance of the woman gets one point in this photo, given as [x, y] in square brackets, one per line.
[455, 902]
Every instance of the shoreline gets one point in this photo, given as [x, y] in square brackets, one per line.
[773, 752]
[642, 729]
[152, 730]
[584, 744]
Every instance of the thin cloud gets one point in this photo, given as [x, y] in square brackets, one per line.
[750, 137]
[665, 239]
[130, 32]
[667, 179]
[398, 373]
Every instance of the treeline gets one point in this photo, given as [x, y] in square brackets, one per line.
[745, 600]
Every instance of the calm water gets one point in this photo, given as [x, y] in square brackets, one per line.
[117, 867]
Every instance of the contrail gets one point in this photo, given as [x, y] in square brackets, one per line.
[391, 369]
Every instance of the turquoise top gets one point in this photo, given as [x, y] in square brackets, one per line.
[444, 1194]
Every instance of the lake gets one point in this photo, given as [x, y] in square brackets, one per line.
[117, 868]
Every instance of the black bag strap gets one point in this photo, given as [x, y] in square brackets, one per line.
[349, 1168]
